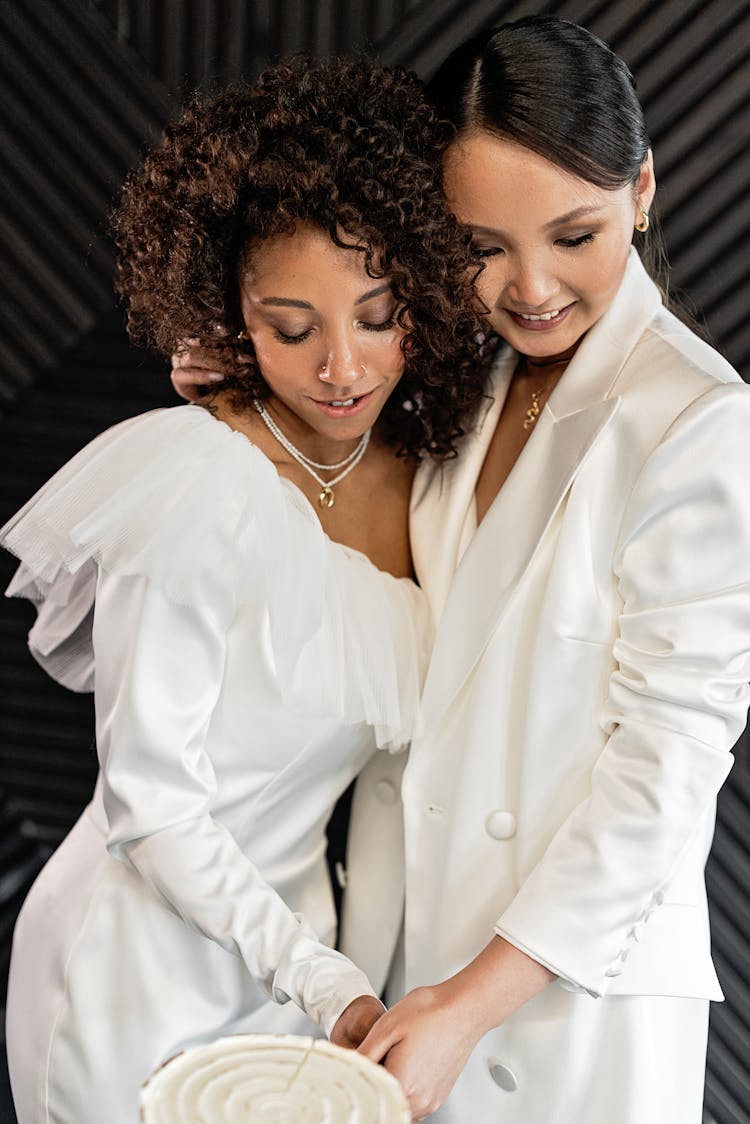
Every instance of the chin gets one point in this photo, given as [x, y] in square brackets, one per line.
[540, 344]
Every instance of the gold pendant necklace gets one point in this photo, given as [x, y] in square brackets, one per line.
[534, 409]
[538, 397]
[326, 497]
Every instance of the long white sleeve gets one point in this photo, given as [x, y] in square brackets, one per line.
[159, 669]
[677, 700]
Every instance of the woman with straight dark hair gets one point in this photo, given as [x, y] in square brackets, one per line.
[587, 559]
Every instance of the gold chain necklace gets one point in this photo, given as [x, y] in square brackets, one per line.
[538, 397]
[534, 409]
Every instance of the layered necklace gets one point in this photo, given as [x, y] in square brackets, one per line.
[326, 497]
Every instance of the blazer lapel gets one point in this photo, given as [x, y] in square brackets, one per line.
[505, 544]
[442, 495]
[578, 411]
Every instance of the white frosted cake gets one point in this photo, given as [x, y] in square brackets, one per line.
[272, 1079]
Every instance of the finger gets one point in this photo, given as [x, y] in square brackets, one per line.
[194, 369]
[379, 1040]
[413, 1079]
[183, 348]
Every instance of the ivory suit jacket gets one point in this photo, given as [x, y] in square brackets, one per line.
[588, 680]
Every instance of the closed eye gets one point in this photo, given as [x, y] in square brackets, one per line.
[380, 326]
[282, 337]
[574, 243]
[485, 251]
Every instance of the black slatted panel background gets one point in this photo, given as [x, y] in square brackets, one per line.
[188, 42]
[728, 879]
[76, 109]
[84, 85]
[692, 62]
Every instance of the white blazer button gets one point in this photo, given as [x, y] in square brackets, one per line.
[500, 824]
[502, 1075]
[386, 792]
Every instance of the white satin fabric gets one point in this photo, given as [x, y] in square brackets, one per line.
[245, 668]
[588, 680]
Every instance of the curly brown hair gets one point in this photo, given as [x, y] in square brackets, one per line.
[349, 146]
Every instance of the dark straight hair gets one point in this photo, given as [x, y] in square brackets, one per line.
[555, 88]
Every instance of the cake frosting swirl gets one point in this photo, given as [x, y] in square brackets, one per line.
[272, 1079]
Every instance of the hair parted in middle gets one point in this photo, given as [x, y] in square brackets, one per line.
[553, 87]
[348, 146]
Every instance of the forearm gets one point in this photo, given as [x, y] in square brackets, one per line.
[495, 984]
[201, 873]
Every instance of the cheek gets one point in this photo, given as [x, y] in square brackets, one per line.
[273, 358]
[263, 349]
[386, 354]
[490, 282]
[609, 268]
[263, 356]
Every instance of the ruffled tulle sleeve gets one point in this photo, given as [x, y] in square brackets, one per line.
[181, 499]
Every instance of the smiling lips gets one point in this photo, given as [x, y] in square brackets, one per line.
[344, 407]
[540, 321]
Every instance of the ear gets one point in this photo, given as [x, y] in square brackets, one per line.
[645, 189]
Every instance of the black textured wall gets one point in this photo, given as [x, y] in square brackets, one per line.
[84, 85]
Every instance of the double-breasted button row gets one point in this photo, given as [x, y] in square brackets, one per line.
[500, 824]
[386, 791]
[502, 1075]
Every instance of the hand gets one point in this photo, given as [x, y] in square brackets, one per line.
[193, 369]
[356, 1020]
[425, 1042]
[427, 1038]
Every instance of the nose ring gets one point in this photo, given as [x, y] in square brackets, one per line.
[324, 374]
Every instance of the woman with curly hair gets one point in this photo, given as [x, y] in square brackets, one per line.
[234, 582]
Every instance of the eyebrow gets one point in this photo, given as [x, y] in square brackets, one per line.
[386, 288]
[570, 216]
[287, 302]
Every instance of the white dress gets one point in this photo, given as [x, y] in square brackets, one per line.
[246, 668]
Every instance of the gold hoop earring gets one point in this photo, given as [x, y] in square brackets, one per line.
[643, 224]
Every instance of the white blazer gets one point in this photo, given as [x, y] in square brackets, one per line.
[588, 680]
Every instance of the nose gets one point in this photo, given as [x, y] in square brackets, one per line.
[530, 284]
[341, 365]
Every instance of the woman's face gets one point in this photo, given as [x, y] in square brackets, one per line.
[324, 332]
[554, 247]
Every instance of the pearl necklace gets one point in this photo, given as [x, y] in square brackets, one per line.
[326, 497]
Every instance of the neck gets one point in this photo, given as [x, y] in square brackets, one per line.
[306, 440]
[311, 444]
[534, 363]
